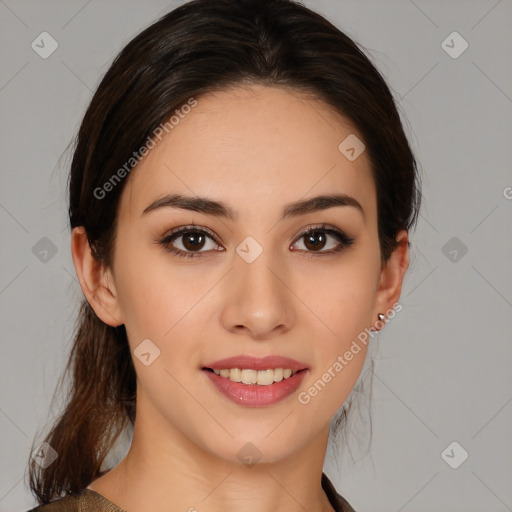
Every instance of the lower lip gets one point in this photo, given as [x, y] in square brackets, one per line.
[253, 395]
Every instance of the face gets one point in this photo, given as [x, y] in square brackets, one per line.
[253, 283]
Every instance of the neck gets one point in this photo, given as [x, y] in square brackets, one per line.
[165, 470]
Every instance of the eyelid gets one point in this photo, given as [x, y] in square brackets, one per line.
[344, 239]
[195, 227]
[191, 227]
[318, 227]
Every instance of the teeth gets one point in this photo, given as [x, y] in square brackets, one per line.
[250, 376]
[235, 374]
[260, 377]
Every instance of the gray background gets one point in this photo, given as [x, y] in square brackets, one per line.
[442, 369]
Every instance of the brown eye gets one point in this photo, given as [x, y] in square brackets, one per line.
[187, 242]
[193, 241]
[317, 238]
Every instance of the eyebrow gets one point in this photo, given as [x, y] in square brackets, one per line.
[221, 209]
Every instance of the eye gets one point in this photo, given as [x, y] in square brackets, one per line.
[316, 239]
[191, 240]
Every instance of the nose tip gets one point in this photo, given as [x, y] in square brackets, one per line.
[258, 301]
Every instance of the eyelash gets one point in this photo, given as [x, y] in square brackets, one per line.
[344, 240]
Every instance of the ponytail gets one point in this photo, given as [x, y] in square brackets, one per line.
[101, 404]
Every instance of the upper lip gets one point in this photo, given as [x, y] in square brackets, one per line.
[256, 363]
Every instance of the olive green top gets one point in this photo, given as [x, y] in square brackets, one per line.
[91, 501]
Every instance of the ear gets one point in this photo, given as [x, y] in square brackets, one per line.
[391, 278]
[97, 282]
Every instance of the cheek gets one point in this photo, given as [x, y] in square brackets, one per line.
[340, 351]
[154, 293]
[340, 295]
[341, 298]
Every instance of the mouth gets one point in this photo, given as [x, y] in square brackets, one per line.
[255, 388]
[252, 377]
[255, 381]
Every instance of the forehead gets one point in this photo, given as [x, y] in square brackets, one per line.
[255, 148]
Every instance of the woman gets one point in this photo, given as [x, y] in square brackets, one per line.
[241, 194]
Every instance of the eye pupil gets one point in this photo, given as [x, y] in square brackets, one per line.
[311, 237]
[190, 242]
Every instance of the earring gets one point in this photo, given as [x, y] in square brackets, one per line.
[381, 318]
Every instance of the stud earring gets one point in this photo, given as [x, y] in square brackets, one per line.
[381, 318]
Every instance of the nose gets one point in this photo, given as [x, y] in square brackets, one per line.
[258, 301]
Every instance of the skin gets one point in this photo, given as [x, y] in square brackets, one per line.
[256, 149]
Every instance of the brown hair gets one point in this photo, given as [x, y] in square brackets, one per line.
[199, 47]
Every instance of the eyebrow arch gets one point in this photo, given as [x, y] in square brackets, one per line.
[220, 209]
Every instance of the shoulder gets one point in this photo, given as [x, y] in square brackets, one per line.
[339, 503]
[85, 500]
[68, 503]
